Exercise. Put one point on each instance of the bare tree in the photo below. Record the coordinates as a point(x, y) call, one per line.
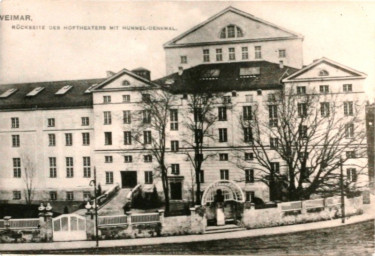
point(309, 136)
point(28, 176)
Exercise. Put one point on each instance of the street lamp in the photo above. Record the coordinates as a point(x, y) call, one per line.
point(95, 207)
point(45, 210)
point(90, 209)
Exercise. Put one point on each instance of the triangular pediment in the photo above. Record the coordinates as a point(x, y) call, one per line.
point(325, 69)
point(123, 80)
point(252, 28)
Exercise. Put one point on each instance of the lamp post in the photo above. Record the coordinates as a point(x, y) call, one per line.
point(95, 207)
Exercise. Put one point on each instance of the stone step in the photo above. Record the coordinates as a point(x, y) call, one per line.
point(224, 230)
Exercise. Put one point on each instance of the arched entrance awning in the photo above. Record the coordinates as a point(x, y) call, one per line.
point(231, 192)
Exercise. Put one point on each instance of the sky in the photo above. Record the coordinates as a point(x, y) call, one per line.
point(342, 31)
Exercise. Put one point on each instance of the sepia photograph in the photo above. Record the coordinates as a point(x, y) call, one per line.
point(187, 127)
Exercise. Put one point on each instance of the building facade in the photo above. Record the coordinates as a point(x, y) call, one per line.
point(60, 131)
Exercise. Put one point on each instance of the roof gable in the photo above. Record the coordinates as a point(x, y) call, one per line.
point(252, 27)
point(325, 69)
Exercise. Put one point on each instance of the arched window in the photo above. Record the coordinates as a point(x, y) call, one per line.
point(125, 83)
point(323, 73)
point(231, 31)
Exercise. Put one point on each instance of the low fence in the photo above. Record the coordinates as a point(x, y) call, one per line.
point(145, 218)
point(112, 220)
point(19, 224)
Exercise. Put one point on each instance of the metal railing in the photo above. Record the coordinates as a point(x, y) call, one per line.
point(23, 223)
point(2, 224)
point(291, 206)
point(145, 218)
point(112, 220)
point(314, 204)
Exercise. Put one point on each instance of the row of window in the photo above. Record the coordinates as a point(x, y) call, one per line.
point(126, 98)
point(325, 109)
point(15, 122)
point(325, 89)
point(69, 165)
point(53, 195)
point(16, 141)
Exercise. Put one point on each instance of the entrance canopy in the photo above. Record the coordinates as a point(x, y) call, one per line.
point(231, 192)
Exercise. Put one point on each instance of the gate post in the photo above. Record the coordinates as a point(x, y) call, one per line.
point(48, 226)
point(90, 227)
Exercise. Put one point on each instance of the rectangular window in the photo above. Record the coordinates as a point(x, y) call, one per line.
point(224, 174)
point(347, 88)
point(107, 117)
point(245, 53)
point(258, 52)
point(175, 169)
point(52, 167)
point(249, 176)
point(249, 156)
point(51, 122)
point(68, 139)
point(148, 177)
point(275, 167)
point(69, 167)
point(349, 130)
point(146, 116)
point(206, 55)
point(86, 167)
point(324, 89)
point(302, 109)
point(147, 158)
point(219, 54)
point(222, 113)
point(223, 157)
point(69, 196)
point(201, 176)
point(147, 137)
point(51, 140)
point(231, 32)
point(53, 195)
point(351, 174)
point(106, 99)
point(174, 119)
point(274, 143)
point(272, 113)
point(302, 130)
point(126, 117)
point(107, 138)
point(15, 141)
point(85, 138)
point(109, 177)
point(232, 53)
point(17, 195)
point(248, 134)
point(127, 138)
point(125, 98)
point(250, 196)
point(146, 97)
point(282, 53)
point(249, 98)
point(227, 99)
point(348, 108)
point(85, 121)
point(183, 59)
point(350, 154)
point(223, 137)
point(301, 90)
point(15, 122)
point(17, 167)
point(324, 109)
point(175, 145)
point(108, 159)
point(247, 113)
point(128, 159)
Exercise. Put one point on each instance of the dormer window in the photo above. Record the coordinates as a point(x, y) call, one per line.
point(210, 74)
point(231, 31)
point(125, 83)
point(323, 73)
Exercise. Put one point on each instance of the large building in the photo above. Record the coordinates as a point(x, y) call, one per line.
point(62, 130)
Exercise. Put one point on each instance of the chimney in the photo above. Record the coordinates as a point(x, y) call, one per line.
point(180, 71)
point(143, 73)
point(281, 64)
point(110, 73)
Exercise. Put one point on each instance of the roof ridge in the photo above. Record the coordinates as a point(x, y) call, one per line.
point(56, 81)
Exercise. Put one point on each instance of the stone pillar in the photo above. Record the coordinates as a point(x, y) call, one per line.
point(303, 207)
point(129, 221)
point(161, 217)
point(197, 222)
point(7, 221)
point(48, 226)
point(90, 226)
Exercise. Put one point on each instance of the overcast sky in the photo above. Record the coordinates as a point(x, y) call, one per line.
point(341, 31)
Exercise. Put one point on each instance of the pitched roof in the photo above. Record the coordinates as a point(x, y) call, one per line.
point(225, 77)
point(47, 98)
point(172, 42)
point(354, 73)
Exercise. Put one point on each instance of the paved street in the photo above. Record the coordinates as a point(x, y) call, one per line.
point(354, 239)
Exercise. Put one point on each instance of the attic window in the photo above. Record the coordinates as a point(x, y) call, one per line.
point(7, 93)
point(323, 73)
point(35, 91)
point(231, 31)
point(249, 72)
point(210, 74)
point(125, 83)
point(64, 90)
point(88, 90)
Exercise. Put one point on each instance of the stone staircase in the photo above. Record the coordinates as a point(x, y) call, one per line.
point(223, 229)
point(116, 204)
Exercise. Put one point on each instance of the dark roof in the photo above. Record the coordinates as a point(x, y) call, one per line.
point(46, 99)
point(229, 77)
